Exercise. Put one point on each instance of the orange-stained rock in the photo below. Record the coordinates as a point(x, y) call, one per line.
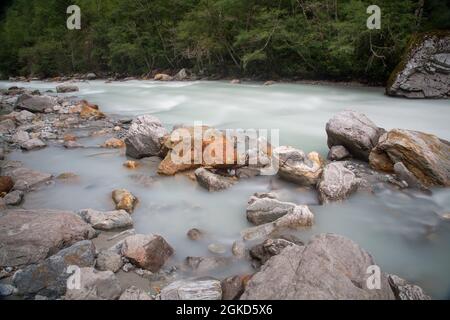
point(424, 155)
point(124, 200)
point(114, 143)
point(205, 147)
point(149, 252)
point(6, 184)
point(69, 137)
point(131, 164)
point(90, 111)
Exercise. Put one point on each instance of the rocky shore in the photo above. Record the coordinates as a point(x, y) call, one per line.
point(39, 247)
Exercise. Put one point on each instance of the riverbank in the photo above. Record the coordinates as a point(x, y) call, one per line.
point(171, 206)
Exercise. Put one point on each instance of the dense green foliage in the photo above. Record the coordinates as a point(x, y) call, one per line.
point(313, 39)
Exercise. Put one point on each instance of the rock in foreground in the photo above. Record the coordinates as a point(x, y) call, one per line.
point(329, 267)
point(148, 252)
point(29, 236)
point(95, 285)
point(49, 277)
point(193, 290)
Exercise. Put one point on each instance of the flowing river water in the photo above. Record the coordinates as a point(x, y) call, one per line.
point(405, 231)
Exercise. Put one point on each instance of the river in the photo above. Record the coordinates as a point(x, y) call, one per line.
point(404, 231)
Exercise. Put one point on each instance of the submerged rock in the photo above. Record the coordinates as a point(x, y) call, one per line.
point(149, 252)
point(337, 183)
point(49, 277)
point(107, 220)
point(124, 200)
point(424, 155)
point(131, 164)
point(425, 68)
point(113, 143)
point(211, 181)
point(192, 290)
point(72, 145)
point(195, 234)
point(145, 137)
point(353, 130)
point(30, 236)
point(95, 285)
point(329, 267)
point(297, 167)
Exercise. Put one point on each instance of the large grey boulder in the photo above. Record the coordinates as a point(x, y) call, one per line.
point(424, 71)
point(329, 267)
point(149, 252)
point(49, 277)
point(354, 131)
point(107, 220)
point(30, 236)
point(145, 138)
point(297, 167)
point(35, 104)
point(211, 181)
point(192, 290)
point(424, 155)
point(337, 183)
point(95, 285)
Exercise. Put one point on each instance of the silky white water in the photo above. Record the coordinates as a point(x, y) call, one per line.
point(404, 231)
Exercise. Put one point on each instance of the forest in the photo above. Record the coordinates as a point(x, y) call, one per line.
point(259, 39)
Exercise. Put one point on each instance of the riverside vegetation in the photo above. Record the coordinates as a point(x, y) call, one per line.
point(308, 39)
point(123, 248)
